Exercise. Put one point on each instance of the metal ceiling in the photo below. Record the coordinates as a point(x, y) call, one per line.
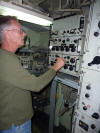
point(54, 8)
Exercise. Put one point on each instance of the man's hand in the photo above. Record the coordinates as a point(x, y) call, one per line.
point(60, 63)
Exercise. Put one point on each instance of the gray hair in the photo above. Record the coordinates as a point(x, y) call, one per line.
point(5, 22)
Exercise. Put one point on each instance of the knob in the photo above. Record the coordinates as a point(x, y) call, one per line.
point(52, 63)
point(76, 41)
point(84, 108)
point(65, 66)
point(57, 48)
point(67, 48)
point(68, 57)
point(87, 95)
point(88, 87)
point(67, 39)
point(99, 131)
point(95, 115)
point(53, 48)
point(93, 126)
point(72, 60)
point(63, 41)
point(96, 34)
point(62, 48)
point(71, 68)
point(59, 40)
point(99, 24)
point(73, 49)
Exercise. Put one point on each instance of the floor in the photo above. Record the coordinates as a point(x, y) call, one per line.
point(40, 124)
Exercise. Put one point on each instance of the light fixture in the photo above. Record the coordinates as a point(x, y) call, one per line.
point(21, 13)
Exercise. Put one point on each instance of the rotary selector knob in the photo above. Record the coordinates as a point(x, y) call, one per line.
point(53, 48)
point(63, 41)
point(95, 115)
point(73, 49)
point(88, 87)
point(57, 48)
point(65, 66)
point(96, 34)
point(72, 60)
point(84, 108)
point(99, 24)
point(93, 126)
point(52, 63)
point(87, 95)
point(71, 68)
point(62, 48)
point(67, 48)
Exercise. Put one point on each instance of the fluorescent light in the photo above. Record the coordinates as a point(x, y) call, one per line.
point(24, 14)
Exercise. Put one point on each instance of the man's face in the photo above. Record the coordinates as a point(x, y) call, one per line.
point(15, 35)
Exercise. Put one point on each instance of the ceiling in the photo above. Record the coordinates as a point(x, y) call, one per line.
point(54, 8)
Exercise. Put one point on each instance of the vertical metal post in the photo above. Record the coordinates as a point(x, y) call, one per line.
point(52, 105)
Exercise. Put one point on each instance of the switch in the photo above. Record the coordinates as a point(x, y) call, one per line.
point(87, 95)
point(96, 61)
point(93, 126)
point(95, 115)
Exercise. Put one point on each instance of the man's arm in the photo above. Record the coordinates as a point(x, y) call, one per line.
point(21, 78)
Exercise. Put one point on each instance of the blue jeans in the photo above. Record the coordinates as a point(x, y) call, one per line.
point(24, 128)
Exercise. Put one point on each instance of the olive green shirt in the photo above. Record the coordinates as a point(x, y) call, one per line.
point(15, 86)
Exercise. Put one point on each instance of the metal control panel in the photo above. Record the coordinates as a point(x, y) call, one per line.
point(67, 42)
point(83, 124)
point(87, 113)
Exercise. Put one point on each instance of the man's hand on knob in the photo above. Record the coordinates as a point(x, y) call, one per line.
point(59, 63)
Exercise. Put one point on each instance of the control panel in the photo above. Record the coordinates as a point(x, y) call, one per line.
point(89, 102)
point(67, 42)
point(87, 112)
point(84, 124)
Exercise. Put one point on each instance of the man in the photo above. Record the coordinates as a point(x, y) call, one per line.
point(15, 82)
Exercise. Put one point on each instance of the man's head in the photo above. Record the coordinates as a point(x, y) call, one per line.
point(11, 34)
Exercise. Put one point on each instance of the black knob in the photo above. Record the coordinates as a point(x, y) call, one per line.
point(52, 63)
point(99, 131)
point(62, 48)
point(57, 48)
point(59, 40)
point(84, 108)
point(96, 34)
point(67, 48)
point(99, 24)
point(88, 87)
point(76, 41)
point(63, 41)
point(68, 57)
point(72, 60)
point(73, 49)
point(87, 95)
point(65, 66)
point(67, 39)
point(95, 115)
point(93, 126)
point(71, 68)
point(53, 48)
